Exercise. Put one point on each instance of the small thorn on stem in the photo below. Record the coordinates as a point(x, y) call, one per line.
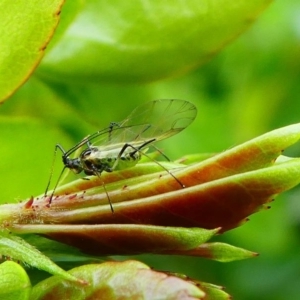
point(72, 196)
point(29, 203)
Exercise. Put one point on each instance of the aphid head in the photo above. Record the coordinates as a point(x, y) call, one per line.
point(72, 163)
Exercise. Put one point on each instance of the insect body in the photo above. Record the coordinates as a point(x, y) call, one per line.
point(122, 144)
point(93, 160)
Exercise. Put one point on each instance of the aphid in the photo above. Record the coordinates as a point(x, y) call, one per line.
point(121, 144)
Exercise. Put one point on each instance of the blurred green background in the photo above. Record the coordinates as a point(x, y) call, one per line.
point(252, 86)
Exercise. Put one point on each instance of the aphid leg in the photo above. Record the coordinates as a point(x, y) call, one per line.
point(106, 192)
point(131, 154)
point(57, 146)
point(51, 171)
point(161, 153)
point(147, 126)
point(97, 173)
point(52, 194)
point(139, 149)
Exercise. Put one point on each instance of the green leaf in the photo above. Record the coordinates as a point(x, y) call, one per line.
point(14, 283)
point(121, 239)
point(59, 252)
point(220, 192)
point(17, 248)
point(118, 280)
point(217, 251)
point(239, 180)
point(25, 30)
point(214, 292)
point(152, 40)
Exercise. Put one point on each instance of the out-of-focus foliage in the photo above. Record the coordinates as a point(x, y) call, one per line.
point(251, 87)
point(16, 285)
point(22, 45)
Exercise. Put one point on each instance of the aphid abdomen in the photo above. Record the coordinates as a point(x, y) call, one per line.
point(127, 161)
point(104, 164)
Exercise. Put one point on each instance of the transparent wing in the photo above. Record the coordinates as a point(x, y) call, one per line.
point(162, 118)
point(103, 134)
point(155, 120)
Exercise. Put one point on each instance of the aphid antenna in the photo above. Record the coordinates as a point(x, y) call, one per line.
point(87, 140)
